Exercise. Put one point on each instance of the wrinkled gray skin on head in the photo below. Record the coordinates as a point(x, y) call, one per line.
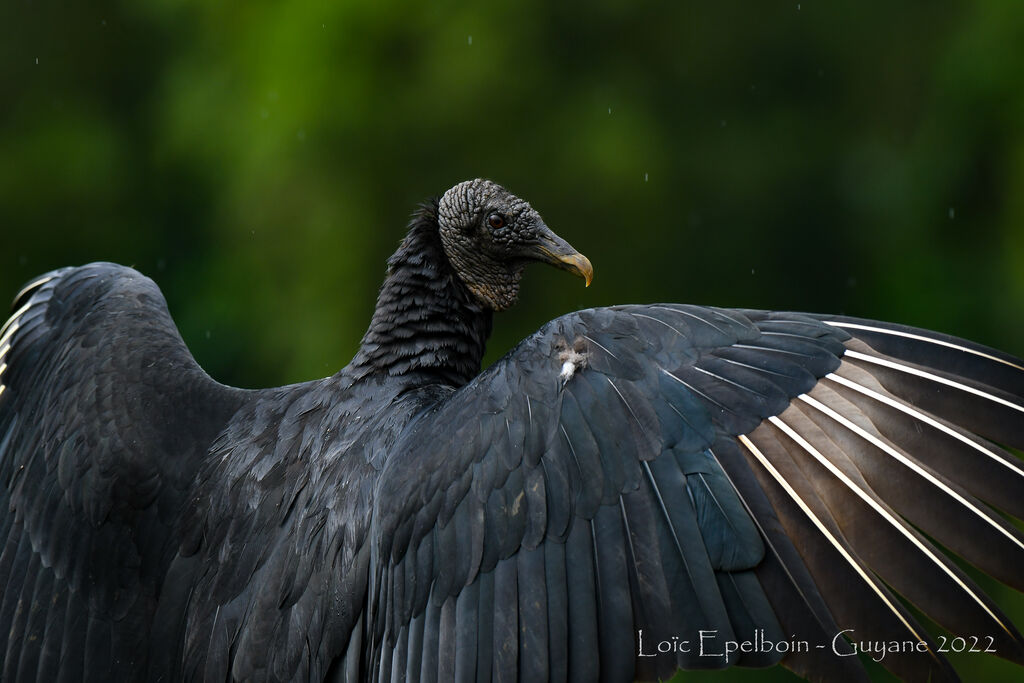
point(488, 261)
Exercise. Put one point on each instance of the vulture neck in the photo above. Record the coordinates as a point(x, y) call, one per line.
point(427, 327)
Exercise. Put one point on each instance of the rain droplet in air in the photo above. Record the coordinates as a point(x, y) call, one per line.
point(952, 213)
point(470, 40)
point(609, 111)
point(645, 177)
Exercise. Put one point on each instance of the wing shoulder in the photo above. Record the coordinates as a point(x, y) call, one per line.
point(97, 377)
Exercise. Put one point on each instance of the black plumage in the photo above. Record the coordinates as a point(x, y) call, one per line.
point(630, 490)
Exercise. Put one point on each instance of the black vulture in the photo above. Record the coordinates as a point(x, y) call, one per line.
point(629, 491)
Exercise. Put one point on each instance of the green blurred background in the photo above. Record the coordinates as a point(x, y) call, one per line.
point(260, 160)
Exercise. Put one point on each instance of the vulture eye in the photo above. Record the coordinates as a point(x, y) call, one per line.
point(496, 220)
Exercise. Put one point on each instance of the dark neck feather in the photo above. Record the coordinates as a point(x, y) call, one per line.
point(426, 325)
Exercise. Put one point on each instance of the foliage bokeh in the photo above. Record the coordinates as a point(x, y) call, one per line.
point(260, 160)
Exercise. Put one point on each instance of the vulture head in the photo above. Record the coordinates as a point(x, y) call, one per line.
point(489, 235)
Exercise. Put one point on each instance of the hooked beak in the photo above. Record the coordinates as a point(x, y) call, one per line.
point(552, 249)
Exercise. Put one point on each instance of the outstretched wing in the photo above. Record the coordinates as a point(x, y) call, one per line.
point(104, 417)
point(642, 488)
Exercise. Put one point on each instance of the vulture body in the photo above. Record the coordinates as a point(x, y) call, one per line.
point(629, 491)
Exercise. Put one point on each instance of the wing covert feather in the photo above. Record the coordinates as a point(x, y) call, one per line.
point(600, 424)
point(104, 417)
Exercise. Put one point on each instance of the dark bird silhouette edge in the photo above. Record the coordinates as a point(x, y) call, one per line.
point(630, 491)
